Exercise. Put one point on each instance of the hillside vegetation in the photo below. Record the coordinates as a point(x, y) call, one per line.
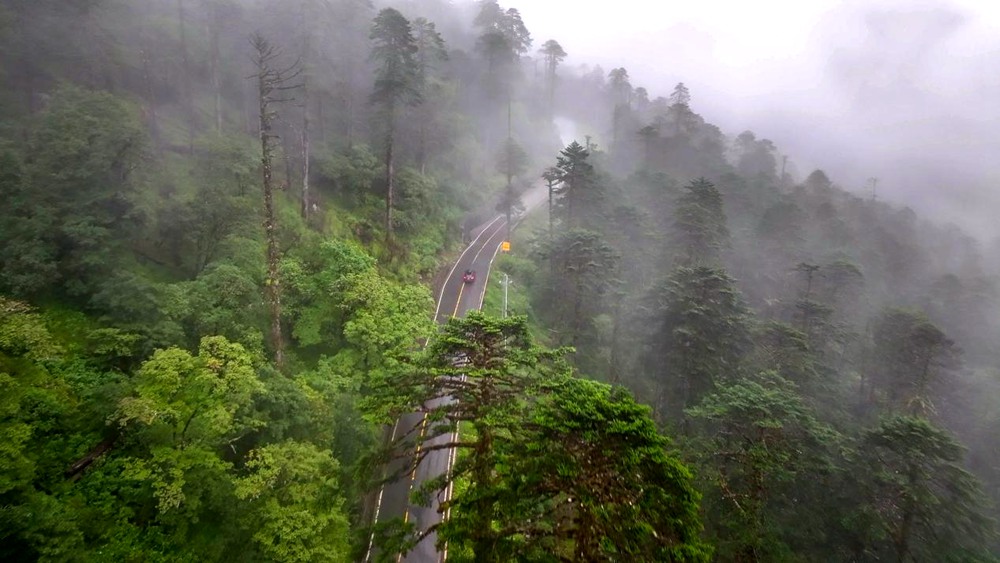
point(223, 224)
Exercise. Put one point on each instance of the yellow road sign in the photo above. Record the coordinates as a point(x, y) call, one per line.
point(505, 246)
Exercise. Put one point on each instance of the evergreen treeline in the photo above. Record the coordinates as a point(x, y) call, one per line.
point(825, 361)
point(221, 221)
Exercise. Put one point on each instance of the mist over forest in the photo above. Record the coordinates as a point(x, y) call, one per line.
point(888, 89)
point(426, 280)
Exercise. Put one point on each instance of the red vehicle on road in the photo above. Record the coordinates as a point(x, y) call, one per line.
point(469, 276)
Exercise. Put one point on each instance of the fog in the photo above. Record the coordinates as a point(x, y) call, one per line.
point(231, 230)
point(901, 91)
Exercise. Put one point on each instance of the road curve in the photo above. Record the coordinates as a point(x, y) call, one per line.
point(455, 300)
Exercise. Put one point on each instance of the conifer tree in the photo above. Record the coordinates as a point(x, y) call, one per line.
point(699, 231)
point(554, 54)
point(396, 84)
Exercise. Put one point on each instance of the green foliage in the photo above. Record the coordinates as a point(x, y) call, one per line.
point(137, 304)
point(183, 400)
point(352, 173)
point(223, 300)
point(549, 467)
point(417, 202)
point(554, 54)
point(511, 159)
point(294, 506)
point(16, 468)
point(503, 40)
point(589, 478)
point(911, 354)
point(782, 227)
point(479, 371)
point(582, 272)
point(431, 49)
point(785, 350)
point(40, 431)
point(497, 355)
point(383, 322)
point(143, 258)
point(763, 449)
point(197, 228)
point(341, 304)
point(23, 333)
point(28, 390)
point(394, 51)
point(72, 212)
point(699, 228)
point(523, 275)
point(756, 157)
point(581, 195)
point(919, 502)
point(699, 336)
point(312, 282)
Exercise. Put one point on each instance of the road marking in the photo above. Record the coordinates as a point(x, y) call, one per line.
point(495, 233)
point(455, 265)
point(482, 296)
point(452, 456)
point(416, 463)
point(453, 452)
point(378, 503)
point(461, 289)
point(437, 311)
point(459, 300)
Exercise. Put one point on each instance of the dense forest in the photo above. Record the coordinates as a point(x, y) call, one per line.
point(224, 226)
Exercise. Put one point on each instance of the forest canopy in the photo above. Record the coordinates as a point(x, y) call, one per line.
point(226, 233)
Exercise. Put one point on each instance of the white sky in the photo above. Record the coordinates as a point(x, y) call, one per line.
point(747, 48)
point(906, 90)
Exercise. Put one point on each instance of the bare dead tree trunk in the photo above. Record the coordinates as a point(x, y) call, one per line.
point(26, 72)
point(273, 283)
point(305, 117)
point(422, 146)
point(550, 72)
point(74, 471)
point(510, 166)
point(349, 99)
point(213, 34)
point(390, 173)
point(286, 157)
point(305, 148)
point(350, 103)
point(616, 360)
point(249, 125)
point(269, 82)
point(186, 70)
point(147, 76)
point(551, 186)
point(321, 119)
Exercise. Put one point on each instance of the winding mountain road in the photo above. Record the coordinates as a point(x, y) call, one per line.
point(455, 300)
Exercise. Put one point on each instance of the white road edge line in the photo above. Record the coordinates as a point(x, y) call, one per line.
point(437, 311)
point(455, 265)
point(378, 503)
point(423, 424)
point(482, 296)
point(454, 452)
